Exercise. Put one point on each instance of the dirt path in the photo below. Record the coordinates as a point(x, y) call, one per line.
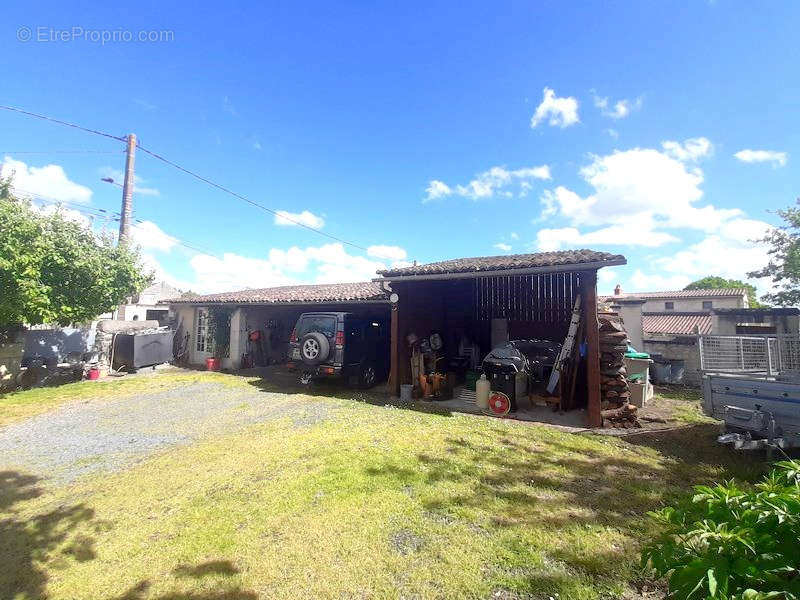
point(108, 435)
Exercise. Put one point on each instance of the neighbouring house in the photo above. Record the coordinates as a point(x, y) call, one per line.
point(145, 305)
point(667, 324)
point(470, 302)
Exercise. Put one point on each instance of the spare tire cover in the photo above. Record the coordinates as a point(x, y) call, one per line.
point(314, 348)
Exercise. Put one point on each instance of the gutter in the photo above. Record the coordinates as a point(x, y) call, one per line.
point(594, 266)
point(272, 304)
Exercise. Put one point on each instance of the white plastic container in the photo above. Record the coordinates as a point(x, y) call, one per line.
point(482, 392)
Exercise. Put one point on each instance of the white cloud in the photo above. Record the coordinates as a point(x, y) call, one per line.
point(692, 149)
point(329, 263)
point(437, 189)
point(729, 252)
point(335, 265)
point(49, 181)
point(631, 230)
point(66, 213)
point(607, 275)
point(514, 235)
point(778, 159)
point(542, 172)
point(654, 282)
point(306, 218)
point(395, 253)
point(559, 112)
point(612, 133)
point(503, 247)
point(495, 180)
point(150, 236)
point(234, 272)
point(640, 181)
point(620, 109)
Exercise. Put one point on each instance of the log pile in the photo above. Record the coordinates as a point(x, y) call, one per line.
point(616, 411)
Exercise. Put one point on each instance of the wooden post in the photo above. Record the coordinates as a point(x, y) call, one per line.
point(127, 192)
point(394, 361)
point(589, 293)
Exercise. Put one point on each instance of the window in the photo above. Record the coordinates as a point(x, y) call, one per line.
point(669, 306)
point(707, 305)
point(203, 341)
point(321, 323)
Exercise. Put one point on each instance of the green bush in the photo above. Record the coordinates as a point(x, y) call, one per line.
point(731, 543)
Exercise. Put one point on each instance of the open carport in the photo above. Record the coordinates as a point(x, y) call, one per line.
point(261, 320)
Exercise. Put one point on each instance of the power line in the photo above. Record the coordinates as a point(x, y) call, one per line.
point(109, 215)
point(61, 151)
point(218, 186)
point(60, 122)
point(245, 199)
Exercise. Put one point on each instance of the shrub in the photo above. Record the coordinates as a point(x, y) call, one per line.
point(731, 543)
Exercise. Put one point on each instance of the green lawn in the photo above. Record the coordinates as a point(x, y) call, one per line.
point(376, 502)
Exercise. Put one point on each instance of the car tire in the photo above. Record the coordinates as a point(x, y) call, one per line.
point(367, 376)
point(314, 348)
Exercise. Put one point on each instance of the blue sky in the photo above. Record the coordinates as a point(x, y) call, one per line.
point(413, 130)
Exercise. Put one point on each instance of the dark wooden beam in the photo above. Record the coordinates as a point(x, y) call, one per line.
point(589, 293)
point(394, 361)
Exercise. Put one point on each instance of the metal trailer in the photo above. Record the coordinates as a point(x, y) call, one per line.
point(752, 384)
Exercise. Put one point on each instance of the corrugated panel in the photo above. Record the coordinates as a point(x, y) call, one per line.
point(677, 323)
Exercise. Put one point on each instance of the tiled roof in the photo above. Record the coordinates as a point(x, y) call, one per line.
point(677, 323)
point(507, 262)
point(712, 293)
point(327, 292)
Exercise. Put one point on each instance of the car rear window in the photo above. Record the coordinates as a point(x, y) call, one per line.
point(321, 323)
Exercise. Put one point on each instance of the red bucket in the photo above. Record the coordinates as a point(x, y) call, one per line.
point(93, 374)
point(212, 364)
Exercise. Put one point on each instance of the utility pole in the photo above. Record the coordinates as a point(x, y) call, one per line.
point(127, 192)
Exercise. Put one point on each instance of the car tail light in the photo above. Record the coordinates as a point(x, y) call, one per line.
point(340, 338)
point(293, 337)
point(328, 370)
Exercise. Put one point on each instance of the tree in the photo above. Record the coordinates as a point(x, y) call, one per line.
point(53, 270)
point(714, 282)
point(784, 262)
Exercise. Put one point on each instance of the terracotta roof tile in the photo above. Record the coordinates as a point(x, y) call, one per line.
point(327, 292)
point(506, 262)
point(708, 293)
point(677, 323)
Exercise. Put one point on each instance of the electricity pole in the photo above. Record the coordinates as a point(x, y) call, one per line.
point(127, 192)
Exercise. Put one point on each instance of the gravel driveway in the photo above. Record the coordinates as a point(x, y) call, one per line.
point(108, 435)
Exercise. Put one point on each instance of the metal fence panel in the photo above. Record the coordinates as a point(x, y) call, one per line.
point(758, 355)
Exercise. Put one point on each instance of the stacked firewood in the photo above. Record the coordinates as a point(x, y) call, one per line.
point(616, 410)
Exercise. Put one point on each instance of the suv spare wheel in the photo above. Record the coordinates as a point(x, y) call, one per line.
point(314, 348)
